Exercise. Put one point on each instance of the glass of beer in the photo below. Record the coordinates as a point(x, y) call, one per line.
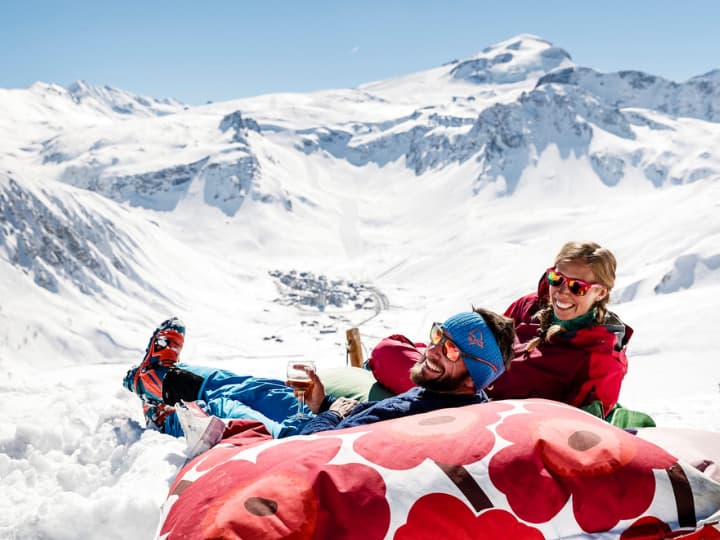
point(298, 378)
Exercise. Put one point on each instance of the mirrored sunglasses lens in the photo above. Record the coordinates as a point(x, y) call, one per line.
point(554, 278)
point(577, 287)
point(435, 334)
point(451, 351)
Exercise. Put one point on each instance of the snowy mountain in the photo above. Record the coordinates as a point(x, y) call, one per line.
point(696, 98)
point(501, 110)
point(60, 240)
point(108, 100)
point(272, 224)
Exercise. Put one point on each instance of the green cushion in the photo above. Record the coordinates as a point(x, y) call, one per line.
point(353, 382)
point(627, 418)
point(621, 417)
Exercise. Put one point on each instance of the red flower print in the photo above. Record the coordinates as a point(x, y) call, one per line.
point(221, 454)
point(650, 528)
point(646, 528)
point(456, 436)
point(442, 516)
point(239, 435)
point(559, 452)
point(278, 496)
point(199, 465)
point(706, 532)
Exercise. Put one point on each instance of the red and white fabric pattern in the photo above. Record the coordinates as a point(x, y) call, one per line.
point(521, 469)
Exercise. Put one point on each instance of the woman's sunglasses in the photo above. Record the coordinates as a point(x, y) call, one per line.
point(576, 286)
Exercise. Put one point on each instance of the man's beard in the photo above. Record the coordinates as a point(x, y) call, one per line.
point(444, 383)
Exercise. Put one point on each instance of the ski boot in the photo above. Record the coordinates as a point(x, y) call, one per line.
point(161, 354)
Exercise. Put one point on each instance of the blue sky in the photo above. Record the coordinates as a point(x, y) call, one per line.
point(216, 50)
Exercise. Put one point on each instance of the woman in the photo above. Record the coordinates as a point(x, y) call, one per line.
point(570, 349)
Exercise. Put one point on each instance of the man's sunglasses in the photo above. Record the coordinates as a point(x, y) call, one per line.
point(576, 286)
point(451, 351)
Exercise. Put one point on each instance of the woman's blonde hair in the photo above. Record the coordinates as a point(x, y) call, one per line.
point(603, 265)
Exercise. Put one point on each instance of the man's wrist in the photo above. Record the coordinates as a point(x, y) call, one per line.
point(325, 404)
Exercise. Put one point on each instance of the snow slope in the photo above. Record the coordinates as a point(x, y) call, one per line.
point(414, 198)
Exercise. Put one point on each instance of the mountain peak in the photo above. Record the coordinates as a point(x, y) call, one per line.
point(518, 42)
point(79, 87)
point(512, 60)
point(120, 101)
point(713, 76)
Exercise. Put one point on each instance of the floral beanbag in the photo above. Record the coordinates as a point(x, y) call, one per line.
point(520, 469)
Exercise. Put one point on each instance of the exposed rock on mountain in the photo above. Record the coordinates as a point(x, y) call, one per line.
point(699, 97)
point(52, 241)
